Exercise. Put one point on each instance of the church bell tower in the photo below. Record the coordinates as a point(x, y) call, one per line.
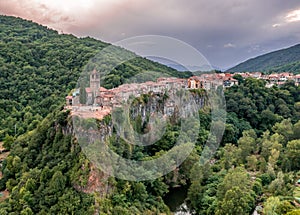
point(94, 83)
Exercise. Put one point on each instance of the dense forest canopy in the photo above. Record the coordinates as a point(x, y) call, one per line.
point(285, 60)
point(46, 171)
point(39, 67)
point(257, 163)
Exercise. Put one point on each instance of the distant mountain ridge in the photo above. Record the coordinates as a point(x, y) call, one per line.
point(182, 68)
point(284, 60)
point(39, 67)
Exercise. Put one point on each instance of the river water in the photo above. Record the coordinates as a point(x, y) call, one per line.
point(175, 199)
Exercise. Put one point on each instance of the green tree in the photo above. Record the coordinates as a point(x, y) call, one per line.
point(8, 141)
point(252, 162)
point(296, 130)
point(57, 182)
point(235, 194)
point(277, 186)
point(228, 156)
point(285, 207)
point(271, 205)
point(284, 128)
point(247, 144)
point(294, 212)
point(82, 95)
point(235, 202)
point(292, 153)
point(27, 211)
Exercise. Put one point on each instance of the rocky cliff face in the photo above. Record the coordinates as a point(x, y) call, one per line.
point(173, 104)
point(141, 114)
point(141, 119)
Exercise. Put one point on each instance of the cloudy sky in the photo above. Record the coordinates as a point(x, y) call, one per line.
point(226, 32)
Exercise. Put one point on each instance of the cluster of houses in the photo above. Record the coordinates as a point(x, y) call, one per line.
point(211, 81)
point(273, 79)
point(100, 96)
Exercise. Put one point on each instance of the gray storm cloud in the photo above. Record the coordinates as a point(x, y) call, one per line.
point(225, 32)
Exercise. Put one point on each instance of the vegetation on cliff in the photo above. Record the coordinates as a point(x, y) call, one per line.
point(258, 160)
point(39, 67)
point(47, 172)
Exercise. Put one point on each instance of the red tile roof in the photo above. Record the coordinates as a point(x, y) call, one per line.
point(102, 89)
point(108, 96)
point(88, 90)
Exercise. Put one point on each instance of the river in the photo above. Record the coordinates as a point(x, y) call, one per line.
point(175, 200)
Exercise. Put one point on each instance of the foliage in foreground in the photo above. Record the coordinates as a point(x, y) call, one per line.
point(254, 165)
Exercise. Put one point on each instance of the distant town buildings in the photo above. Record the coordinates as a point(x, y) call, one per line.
point(211, 81)
point(101, 98)
point(272, 79)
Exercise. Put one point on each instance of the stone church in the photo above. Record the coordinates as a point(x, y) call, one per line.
point(92, 92)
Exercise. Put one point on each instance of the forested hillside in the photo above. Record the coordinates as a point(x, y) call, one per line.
point(46, 171)
point(256, 164)
point(39, 67)
point(285, 60)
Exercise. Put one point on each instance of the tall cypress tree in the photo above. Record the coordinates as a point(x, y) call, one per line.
point(82, 96)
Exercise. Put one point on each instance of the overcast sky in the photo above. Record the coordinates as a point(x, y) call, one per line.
point(226, 32)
